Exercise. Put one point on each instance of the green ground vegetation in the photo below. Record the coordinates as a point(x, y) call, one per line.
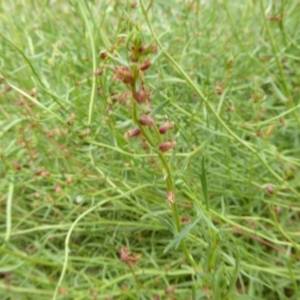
point(210, 209)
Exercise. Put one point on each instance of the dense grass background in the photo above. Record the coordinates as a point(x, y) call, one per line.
point(74, 191)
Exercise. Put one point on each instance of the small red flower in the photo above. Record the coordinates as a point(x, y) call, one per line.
point(165, 146)
point(185, 220)
point(132, 133)
point(126, 257)
point(142, 95)
point(145, 65)
point(146, 120)
point(124, 74)
point(98, 72)
point(165, 127)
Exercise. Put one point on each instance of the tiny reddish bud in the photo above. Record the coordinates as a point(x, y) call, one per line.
point(277, 209)
point(58, 189)
point(33, 92)
point(132, 133)
point(170, 289)
point(269, 188)
point(142, 95)
point(145, 65)
point(99, 91)
point(133, 4)
point(124, 74)
point(45, 174)
point(103, 55)
point(146, 120)
point(154, 48)
point(69, 180)
point(142, 48)
point(126, 257)
point(185, 220)
point(165, 146)
point(71, 119)
point(16, 166)
point(144, 144)
point(170, 197)
point(165, 127)
point(98, 72)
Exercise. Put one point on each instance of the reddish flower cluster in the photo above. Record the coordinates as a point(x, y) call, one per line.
point(165, 146)
point(165, 127)
point(142, 95)
point(126, 257)
point(146, 120)
point(132, 133)
point(124, 74)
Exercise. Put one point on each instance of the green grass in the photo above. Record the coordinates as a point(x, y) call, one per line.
point(74, 191)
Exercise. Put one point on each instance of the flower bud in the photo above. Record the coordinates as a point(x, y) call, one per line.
point(269, 188)
point(185, 220)
point(146, 120)
point(165, 127)
point(154, 48)
point(145, 65)
point(142, 48)
point(132, 133)
point(33, 92)
point(124, 74)
point(98, 72)
point(165, 146)
point(142, 95)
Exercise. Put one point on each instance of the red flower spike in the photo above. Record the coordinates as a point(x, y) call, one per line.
point(132, 133)
point(146, 120)
point(142, 95)
point(165, 127)
point(165, 146)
